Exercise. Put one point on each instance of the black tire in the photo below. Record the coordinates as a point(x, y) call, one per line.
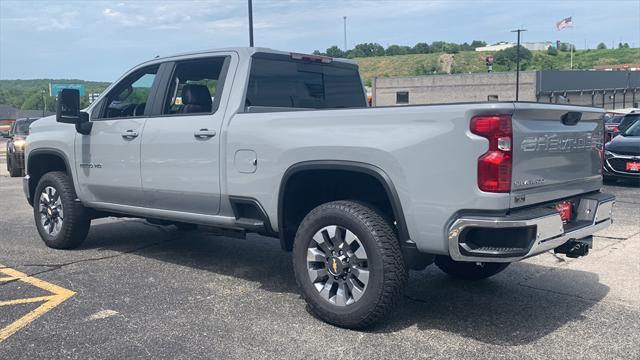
point(14, 171)
point(387, 271)
point(76, 222)
point(468, 270)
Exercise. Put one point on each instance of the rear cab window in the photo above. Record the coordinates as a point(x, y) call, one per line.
point(309, 82)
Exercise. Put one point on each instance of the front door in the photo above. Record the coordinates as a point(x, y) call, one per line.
point(180, 156)
point(108, 159)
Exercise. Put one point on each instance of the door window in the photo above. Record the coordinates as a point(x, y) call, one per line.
point(129, 98)
point(195, 87)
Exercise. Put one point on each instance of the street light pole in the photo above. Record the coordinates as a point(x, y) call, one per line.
point(518, 61)
point(250, 23)
point(345, 32)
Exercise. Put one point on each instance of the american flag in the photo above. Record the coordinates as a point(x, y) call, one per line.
point(564, 23)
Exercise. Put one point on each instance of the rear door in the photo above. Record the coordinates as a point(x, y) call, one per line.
point(180, 154)
point(557, 152)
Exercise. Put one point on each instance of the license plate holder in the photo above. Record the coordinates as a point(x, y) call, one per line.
point(633, 166)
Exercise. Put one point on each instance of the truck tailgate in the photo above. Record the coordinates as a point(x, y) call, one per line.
point(557, 152)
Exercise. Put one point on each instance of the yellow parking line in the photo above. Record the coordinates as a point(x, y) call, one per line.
point(60, 294)
point(10, 278)
point(26, 300)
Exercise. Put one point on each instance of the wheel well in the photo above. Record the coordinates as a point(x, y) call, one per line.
point(304, 190)
point(40, 164)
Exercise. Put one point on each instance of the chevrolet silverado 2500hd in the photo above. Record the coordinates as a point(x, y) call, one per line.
point(283, 144)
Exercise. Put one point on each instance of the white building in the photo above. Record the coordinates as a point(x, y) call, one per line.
point(496, 47)
point(532, 46)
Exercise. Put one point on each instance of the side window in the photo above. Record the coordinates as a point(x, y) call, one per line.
point(129, 97)
point(195, 87)
point(277, 81)
point(402, 97)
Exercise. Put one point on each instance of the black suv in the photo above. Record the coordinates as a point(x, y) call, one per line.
point(15, 146)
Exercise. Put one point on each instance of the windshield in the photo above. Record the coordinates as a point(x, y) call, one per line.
point(634, 130)
point(628, 121)
point(614, 119)
point(22, 127)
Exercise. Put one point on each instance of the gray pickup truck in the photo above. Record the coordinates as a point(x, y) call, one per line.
point(282, 144)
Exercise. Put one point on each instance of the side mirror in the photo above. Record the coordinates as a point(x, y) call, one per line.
point(68, 107)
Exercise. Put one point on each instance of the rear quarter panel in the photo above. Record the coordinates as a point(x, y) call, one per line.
point(427, 151)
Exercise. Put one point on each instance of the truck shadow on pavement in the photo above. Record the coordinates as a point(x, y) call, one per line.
point(519, 306)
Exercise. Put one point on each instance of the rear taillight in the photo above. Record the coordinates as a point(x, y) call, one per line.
point(494, 166)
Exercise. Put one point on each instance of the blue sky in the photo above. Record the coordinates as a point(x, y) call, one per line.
point(99, 40)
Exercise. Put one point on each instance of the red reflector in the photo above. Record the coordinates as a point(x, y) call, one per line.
point(494, 166)
point(564, 208)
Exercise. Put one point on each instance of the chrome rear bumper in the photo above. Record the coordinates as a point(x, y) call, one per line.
point(593, 213)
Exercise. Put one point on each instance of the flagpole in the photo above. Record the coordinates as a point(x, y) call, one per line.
point(571, 45)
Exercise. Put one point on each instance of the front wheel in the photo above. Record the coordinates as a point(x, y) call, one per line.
point(14, 170)
point(469, 270)
point(61, 221)
point(348, 264)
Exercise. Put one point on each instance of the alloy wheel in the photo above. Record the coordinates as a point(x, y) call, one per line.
point(337, 265)
point(51, 211)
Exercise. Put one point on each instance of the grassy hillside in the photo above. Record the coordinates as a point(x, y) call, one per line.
point(27, 94)
point(471, 61)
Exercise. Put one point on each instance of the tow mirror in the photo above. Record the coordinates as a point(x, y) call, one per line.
point(68, 109)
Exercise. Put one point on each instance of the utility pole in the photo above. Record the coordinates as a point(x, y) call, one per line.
point(44, 102)
point(250, 23)
point(518, 61)
point(344, 18)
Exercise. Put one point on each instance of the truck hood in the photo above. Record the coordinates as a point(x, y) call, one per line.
point(624, 145)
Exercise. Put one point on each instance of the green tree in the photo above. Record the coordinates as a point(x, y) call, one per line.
point(477, 43)
point(601, 46)
point(335, 51)
point(451, 48)
point(368, 50)
point(437, 46)
point(552, 51)
point(421, 48)
point(396, 50)
point(508, 57)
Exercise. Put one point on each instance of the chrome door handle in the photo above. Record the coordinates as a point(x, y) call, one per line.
point(129, 134)
point(204, 134)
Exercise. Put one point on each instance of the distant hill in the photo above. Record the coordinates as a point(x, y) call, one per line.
point(471, 61)
point(27, 94)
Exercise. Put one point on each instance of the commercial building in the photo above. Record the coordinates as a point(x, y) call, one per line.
point(606, 89)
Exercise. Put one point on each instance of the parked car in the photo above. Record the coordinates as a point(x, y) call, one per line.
point(622, 155)
point(611, 126)
point(283, 144)
point(16, 144)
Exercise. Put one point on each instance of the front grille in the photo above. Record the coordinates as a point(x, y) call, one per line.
point(619, 164)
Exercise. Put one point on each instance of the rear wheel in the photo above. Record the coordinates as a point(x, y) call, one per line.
point(469, 270)
point(348, 264)
point(62, 222)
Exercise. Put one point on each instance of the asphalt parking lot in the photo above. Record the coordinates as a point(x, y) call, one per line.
point(135, 290)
